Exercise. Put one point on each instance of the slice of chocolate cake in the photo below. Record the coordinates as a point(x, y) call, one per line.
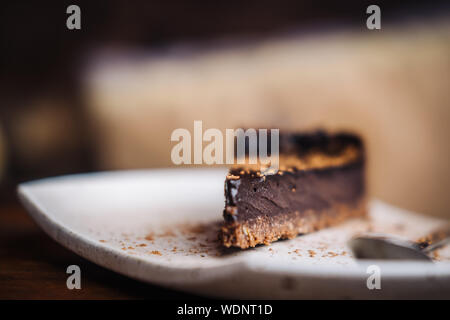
point(320, 183)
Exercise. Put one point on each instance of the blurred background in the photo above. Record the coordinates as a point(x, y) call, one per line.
point(108, 96)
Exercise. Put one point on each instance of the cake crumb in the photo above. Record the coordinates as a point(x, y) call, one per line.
point(312, 253)
point(436, 255)
point(330, 254)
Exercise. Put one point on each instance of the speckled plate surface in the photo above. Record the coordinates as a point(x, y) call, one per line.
point(160, 226)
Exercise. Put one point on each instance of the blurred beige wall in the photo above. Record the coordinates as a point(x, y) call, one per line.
point(391, 86)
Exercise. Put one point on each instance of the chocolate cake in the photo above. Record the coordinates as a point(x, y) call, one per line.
point(320, 183)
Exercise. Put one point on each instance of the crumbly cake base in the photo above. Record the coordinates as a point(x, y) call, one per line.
point(266, 229)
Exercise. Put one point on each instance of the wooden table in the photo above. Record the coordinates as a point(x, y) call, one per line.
point(33, 266)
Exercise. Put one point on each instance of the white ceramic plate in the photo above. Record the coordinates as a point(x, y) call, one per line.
point(160, 226)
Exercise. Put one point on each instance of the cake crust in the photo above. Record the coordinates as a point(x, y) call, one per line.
point(264, 229)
